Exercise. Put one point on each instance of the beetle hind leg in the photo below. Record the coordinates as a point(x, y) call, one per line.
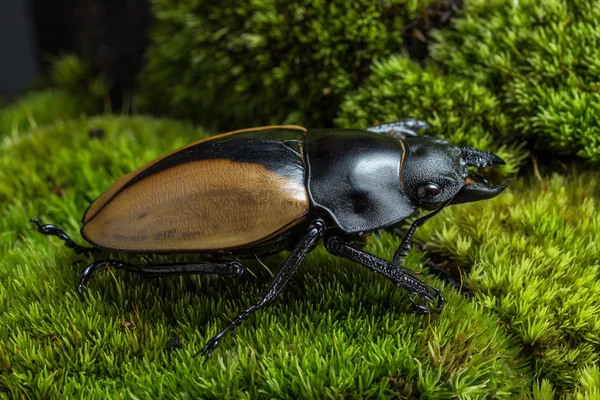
point(224, 268)
point(51, 230)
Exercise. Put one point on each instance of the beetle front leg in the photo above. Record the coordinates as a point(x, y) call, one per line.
point(405, 246)
point(400, 276)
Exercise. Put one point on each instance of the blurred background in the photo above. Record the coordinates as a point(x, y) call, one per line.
point(505, 76)
point(276, 46)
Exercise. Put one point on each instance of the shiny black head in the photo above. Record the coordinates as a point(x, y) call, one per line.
point(434, 171)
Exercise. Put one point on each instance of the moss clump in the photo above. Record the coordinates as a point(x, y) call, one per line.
point(75, 75)
point(542, 59)
point(531, 256)
point(37, 109)
point(337, 331)
point(268, 61)
point(463, 112)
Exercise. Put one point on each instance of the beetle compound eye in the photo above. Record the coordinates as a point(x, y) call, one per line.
point(428, 191)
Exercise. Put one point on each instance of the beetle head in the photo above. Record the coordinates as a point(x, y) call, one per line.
point(434, 171)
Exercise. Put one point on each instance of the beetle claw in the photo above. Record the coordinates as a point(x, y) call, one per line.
point(81, 287)
point(431, 295)
point(208, 348)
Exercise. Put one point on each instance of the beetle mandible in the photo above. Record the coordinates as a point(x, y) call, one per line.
point(259, 191)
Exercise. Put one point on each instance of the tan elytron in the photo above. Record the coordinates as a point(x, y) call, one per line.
point(106, 196)
point(202, 205)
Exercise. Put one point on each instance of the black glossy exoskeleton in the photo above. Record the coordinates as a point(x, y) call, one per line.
point(263, 190)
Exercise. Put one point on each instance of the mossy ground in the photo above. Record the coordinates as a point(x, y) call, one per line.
point(532, 258)
point(531, 66)
point(529, 257)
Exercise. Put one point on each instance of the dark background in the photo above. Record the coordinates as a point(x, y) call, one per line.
point(111, 34)
point(18, 58)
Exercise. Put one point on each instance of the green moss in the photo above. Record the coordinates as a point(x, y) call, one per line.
point(542, 60)
point(337, 331)
point(530, 257)
point(461, 111)
point(266, 61)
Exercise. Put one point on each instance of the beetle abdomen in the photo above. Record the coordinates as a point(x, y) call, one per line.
point(224, 193)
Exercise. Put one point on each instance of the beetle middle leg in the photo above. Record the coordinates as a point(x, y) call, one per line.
point(224, 268)
point(306, 244)
point(400, 276)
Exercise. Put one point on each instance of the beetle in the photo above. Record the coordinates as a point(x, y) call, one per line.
point(259, 191)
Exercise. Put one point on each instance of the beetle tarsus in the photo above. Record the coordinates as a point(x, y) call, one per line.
point(82, 290)
point(401, 253)
point(397, 274)
point(304, 246)
point(213, 343)
point(52, 230)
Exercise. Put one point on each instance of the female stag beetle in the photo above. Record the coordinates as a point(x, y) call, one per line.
point(255, 192)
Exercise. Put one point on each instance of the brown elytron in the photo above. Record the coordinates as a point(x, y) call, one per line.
point(106, 196)
point(198, 205)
